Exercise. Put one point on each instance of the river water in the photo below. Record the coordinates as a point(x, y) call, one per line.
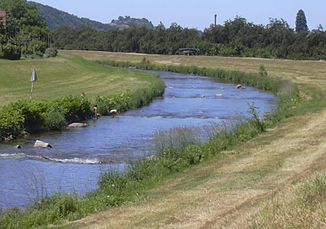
point(79, 156)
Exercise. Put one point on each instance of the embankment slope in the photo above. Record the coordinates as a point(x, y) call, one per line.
point(235, 192)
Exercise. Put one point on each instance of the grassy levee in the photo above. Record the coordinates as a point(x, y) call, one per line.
point(226, 182)
point(57, 99)
point(63, 76)
point(256, 184)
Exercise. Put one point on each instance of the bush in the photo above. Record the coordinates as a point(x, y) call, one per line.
point(33, 113)
point(50, 52)
point(54, 120)
point(11, 122)
point(73, 108)
point(262, 71)
point(11, 52)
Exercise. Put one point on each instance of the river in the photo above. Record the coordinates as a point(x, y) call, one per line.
point(81, 155)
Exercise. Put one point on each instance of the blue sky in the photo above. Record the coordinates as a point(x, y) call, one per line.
point(195, 13)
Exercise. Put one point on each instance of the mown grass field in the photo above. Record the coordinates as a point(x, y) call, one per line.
point(63, 76)
point(276, 180)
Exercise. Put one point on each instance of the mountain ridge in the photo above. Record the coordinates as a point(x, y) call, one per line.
point(56, 18)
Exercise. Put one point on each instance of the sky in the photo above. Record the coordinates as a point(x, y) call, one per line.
point(195, 13)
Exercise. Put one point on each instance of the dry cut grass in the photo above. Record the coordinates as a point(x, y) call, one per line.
point(256, 185)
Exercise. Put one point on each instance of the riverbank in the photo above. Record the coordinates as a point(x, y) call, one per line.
point(274, 180)
point(63, 76)
point(143, 177)
point(57, 99)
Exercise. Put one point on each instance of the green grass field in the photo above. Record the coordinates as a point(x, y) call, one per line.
point(66, 76)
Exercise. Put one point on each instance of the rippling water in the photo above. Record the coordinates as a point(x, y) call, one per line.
point(79, 156)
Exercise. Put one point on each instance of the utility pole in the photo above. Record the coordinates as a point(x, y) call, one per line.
point(215, 22)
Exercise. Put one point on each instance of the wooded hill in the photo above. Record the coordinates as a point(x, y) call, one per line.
point(56, 18)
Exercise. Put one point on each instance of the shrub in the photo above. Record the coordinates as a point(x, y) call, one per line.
point(11, 52)
point(50, 52)
point(11, 122)
point(262, 71)
point(33, 113)
point(54, 120)
point(73, 108)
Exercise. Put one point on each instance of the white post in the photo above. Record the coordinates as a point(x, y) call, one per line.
point(33, 79)
point(32, 90)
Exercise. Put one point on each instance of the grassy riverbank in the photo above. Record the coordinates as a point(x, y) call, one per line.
point(64, 76)
point(56, 98)
point(172, 162)
point(275, 180)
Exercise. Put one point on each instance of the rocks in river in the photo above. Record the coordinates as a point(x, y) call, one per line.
point(77, 125)
point(113, 112)
point(240, 86)
point(9, 138)
point(41, 144)
point(18, 146)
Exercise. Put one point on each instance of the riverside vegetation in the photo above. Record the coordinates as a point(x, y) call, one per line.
point(101, 83)
point(171, 159)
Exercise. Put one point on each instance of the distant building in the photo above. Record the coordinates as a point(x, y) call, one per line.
point(189, 51)
point(3, 18)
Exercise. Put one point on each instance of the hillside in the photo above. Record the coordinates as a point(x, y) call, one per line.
point(56, 18)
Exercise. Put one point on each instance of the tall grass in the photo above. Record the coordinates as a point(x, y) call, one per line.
point(177, 151)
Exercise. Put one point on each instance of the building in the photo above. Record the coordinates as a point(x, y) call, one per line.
point(3, 18)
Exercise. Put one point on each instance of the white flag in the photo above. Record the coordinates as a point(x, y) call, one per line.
point(34, 75)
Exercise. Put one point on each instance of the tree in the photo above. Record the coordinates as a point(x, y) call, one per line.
point(301, 22)
point(26, 30)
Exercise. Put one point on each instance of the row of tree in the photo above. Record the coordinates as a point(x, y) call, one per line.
point(236, 37)
point(25, 33)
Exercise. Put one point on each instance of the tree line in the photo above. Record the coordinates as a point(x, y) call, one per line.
point(25, 33)
point(236, 37)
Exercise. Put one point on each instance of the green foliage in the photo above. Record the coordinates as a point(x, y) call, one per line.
point(255, 118)
point(73, 108)
point(26, 31)
point(35, 116)
point(129, 100)
point(11, 52)
point(50, 52)
point(236, 37)
point(255, 80)
point(262, 71)
point(11, 122)
point(54, 120)
point(32, 112)
point(56, 18)
point(301, 22)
